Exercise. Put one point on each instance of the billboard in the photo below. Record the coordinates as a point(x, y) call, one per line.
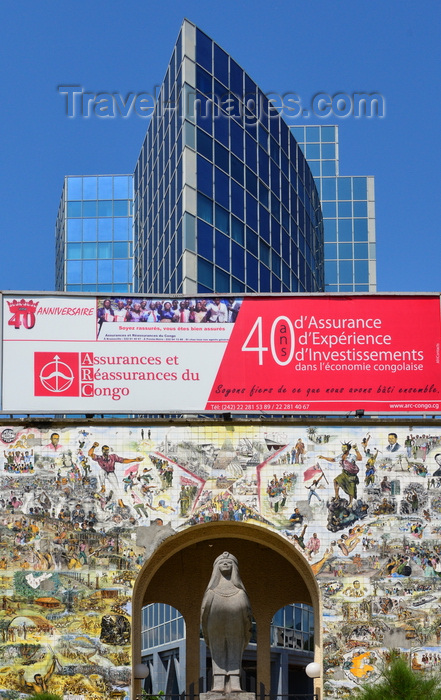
point(277, 354)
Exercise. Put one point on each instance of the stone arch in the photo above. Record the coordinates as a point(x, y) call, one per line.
point(274, 573)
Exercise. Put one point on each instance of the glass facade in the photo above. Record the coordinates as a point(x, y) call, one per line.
point(163, 647)
point(94, 235)
point(224, 198)
point(348, 207)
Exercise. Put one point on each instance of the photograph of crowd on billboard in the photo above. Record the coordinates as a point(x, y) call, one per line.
point(165, 310)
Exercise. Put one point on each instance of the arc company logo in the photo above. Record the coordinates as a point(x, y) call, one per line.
point(56, 374)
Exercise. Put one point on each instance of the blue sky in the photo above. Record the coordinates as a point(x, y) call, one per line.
point(344, 46)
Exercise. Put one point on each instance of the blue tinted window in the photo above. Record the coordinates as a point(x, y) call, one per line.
point(344, 188)
point(203, 82)
point(121, 227)
point(328, 150)
point(74, 229)
point(105, 187)
point(222, 219)
point(360, 209)
point(121, 188)
point(330, 251)
point(222, 281)
point(251, 211)
point(264, 222)
point(328, 188)
point(90, 188)
point(89, 272)
point(252, 242)
point(237, 169)
point(205, 240)
point(89, 250)
point(236, 139)
point(121, 250)
point(360, 230)
point(361, 250)
point(221, 188)
point(205, 144)
point(236, 79)
point(328, 167)
point(89, 230)
point(73, 275)
point(74, 251)
point(205, 208)
point(220, 64)
point(314, 166)
point(299, 133)
point(237, 203)
point(74, 188)
point(313, 151)
point(345, 209)
point(251, 152)
point(221, 128)
point(204, 176)
point(221, 157)
point(251, 183)
point(120, 270)
point(328, 133)
point(265, 253)
point(74, 208)
point(120, 208)
point(222, 250)
point(89, 208)
point(275, 263)
point(238, 260)
point(330, 272)
point(360, 187)
point(263, 166)
point(205, 273)
point(312, 133)
point(345, 271)
point(237, 230)
point(263, 194)
point(345, 230)
point(105, 250)
point(252, 276)
point(361, 269)
point(105, 208)
point(329, 209)
point(262, 137)
point(203, 49)
point(204, 107)
point(265, 277)
point(345, 251)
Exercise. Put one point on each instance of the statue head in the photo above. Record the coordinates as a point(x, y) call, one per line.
point(225, 564)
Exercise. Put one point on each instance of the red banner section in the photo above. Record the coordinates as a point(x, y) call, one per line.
point(332, 354)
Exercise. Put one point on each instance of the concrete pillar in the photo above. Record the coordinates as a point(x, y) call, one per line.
point(192, 648)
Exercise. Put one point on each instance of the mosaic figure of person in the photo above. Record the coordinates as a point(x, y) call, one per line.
point(226, 622)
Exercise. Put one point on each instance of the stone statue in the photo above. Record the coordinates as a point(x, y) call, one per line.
point(226, 622)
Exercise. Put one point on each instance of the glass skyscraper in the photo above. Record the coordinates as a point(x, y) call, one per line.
point(94, 235)
point(348, 207)
point(224, 198)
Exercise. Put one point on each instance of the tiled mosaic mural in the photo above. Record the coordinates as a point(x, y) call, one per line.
point(362, 504)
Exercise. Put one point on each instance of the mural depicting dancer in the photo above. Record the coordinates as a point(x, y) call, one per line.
point(348, 479)
point(107, 463)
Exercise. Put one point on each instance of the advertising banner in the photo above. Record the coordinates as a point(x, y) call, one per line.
point(307, 354)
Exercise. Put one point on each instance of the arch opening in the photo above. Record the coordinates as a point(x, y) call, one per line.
point(274, 573)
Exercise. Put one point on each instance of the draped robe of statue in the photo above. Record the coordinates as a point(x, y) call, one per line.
point(226, 622)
